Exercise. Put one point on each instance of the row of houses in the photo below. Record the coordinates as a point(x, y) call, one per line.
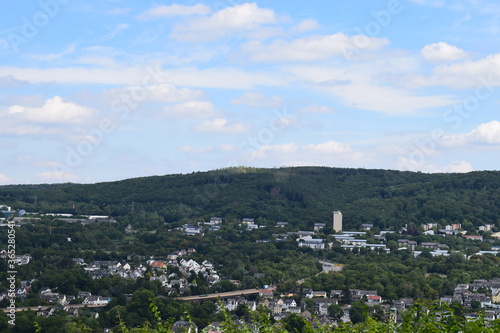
point(175, 283)
point(485, 293)
point(104, 268)
point(49, 296)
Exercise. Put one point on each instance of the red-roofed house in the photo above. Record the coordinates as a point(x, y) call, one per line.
point(158, 264)
point(479, 238)
point(374, 300)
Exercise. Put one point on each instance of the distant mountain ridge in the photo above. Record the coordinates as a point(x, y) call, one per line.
point(299, 195)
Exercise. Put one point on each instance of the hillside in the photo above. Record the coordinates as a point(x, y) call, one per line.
point(299, 195)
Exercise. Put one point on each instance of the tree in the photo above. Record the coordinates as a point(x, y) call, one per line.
point(336, 312)
point(346, 296)
point(358, 312)
point(297, 324)
point(224, 286)
point(475, 304)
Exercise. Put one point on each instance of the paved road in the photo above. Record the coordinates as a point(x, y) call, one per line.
point(36, 308)
point(186, 298)
point(220, 295)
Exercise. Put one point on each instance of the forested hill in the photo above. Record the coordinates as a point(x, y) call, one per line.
point(299, 195)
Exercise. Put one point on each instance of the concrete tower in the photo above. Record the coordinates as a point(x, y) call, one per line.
point(337, 221)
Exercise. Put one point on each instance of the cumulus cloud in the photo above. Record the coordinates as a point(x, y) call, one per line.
point(175, 10)
point(258, 99)
point(191, 109)
point(55, 110)
point(486, 133)
point(5, 179)
point(239, 18)
point(406, 164)
point(442, 51)
point(312, 48)
point(327, 153)
point(221, 125)
point(57, 177)
point(469, 73)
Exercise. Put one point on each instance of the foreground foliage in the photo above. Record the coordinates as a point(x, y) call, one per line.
point(421, 318)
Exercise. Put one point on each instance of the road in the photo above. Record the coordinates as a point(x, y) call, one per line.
point(220, 295)
point(186, 298)
point(36, 308)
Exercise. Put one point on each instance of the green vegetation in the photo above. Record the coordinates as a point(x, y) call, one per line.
point(301, 196)
point(155, 208)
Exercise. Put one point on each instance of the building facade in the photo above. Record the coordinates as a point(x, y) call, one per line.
point(337, 221)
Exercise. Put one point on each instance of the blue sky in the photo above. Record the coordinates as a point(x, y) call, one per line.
point(94, 91)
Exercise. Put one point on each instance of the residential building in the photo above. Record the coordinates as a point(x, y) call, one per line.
point(313, 243)
point(319, 226)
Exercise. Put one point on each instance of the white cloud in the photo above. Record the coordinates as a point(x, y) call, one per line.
point(312, 48)
point(329, 147)
point(191, 109)
point(442, 52)
point(285, 122)
point(258, 99)
point(213, 77)
point(486, 133)
point(21, 129)
point(318, 109)
point(57, 177)
point(168, 92)
point(5, 179)
point(190, 149)
point(55, 110)
point(327, 153)
point(360, 86)
point(10, 81)
point(266, 151)
point(175, 10)
point(221, 125)
point(406, 164)
point(239, 18)
point(162, 93)
point(469, 73)
point(306, 25)
point(459, 166)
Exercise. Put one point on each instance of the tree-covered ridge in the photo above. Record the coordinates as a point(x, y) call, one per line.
point(152, 214)
point(300, 195)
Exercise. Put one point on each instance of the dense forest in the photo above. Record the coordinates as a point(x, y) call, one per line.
point(300, 195)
